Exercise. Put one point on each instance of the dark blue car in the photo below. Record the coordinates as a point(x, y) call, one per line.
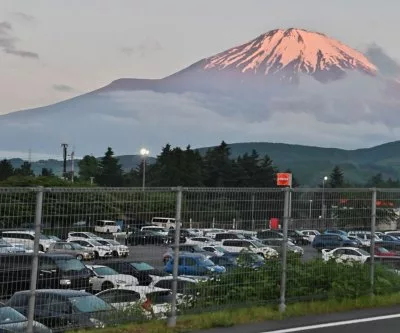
point(332, 241)
point(194, 264)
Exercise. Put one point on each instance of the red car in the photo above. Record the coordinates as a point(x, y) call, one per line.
point(381, 251)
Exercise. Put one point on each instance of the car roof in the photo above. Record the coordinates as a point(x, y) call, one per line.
point(143, 290)
point(31, 232)
point(61, 292)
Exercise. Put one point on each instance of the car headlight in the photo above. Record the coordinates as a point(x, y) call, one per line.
point(97, 323)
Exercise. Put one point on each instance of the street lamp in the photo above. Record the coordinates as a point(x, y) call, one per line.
point(310, 209)
point(144, 153)
point(323, 196)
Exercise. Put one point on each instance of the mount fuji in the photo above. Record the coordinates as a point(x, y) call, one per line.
point(287, 85)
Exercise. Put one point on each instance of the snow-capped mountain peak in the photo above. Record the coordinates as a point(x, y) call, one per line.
point(286, 53)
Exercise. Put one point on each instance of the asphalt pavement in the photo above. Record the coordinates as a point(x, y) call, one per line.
point(382, 320)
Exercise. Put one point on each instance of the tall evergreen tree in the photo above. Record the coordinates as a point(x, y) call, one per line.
point(336, 178)
point(6, 169)
point(110, 171)
point(24, 170)
point(47, 172)
point(88, 167)
point(218, 167)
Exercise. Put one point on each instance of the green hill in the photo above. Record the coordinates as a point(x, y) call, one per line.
point(308, 164)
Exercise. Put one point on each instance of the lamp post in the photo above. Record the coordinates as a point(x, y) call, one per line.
point(144, 153)
point(323, 196)
point(310, 213)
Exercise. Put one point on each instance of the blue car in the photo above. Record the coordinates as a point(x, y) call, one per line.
point(194, 264)
point(336, 232)
point(332, 241)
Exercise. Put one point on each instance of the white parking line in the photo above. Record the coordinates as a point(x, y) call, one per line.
point(334, 324)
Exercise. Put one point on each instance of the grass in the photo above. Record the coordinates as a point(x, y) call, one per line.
point(232, 317)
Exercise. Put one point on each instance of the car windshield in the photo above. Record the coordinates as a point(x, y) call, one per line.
point(89, 304)
point(8, 315)
point(90, 234)
point(382, 250)
point(95, 242)
point(142, 266)
point(257, 243)
point(290, 243)
point(104, 270)
point(113, 242)
point(55, 238)
point(76, 246)
point(206, 262)
point(364, 253)
point(70, 264)
point(43, 237)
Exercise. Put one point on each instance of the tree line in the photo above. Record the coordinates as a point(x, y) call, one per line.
point(177, 167)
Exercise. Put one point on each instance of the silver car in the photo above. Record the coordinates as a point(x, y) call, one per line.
point(74, 249)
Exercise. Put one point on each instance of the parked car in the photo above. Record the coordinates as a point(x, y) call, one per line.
point(277, 243)
point(227, 261)
point(227, 235)
point(332, 241)
point(185, 286)
point(99, 250)
point(296, 237)
point(171, 236)
point(269, 234)
point(247, 259)
point(360, 242)
point(73, 249)
point(212, 232)
point(192, 248)
point(195, 232)
point(26, 238)
point(194, 264)
point(335, 232)
point(146, 238)
point(117, 249)
point(200, 240)
point(6, 247)
point(104, 277)
point(217, 250)
point(73, 235)
point(383, 252)
point(343, 254)
point(13, 321)
point(237, 245)
point(56, 270)
point(106, 226)
point(63, 309)
point(144, 272)
point(309, 234)
point(161, 230)
point(143, 297)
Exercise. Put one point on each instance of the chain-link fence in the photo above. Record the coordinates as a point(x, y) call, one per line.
point(89, 257)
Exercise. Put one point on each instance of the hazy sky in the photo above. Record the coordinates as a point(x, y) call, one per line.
point(51, 50)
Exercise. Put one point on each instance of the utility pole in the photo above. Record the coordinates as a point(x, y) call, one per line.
point(65, 154)
point(72, 166)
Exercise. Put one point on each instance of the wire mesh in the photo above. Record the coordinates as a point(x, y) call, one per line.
point(110, 251)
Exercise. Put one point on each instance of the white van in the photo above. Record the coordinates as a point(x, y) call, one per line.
point(165, 222)
point(106, 226)
point(26, 238)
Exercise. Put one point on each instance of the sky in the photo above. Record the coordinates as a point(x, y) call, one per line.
point(51, 50)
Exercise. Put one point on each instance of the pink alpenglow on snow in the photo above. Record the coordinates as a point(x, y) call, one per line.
point(286, 53)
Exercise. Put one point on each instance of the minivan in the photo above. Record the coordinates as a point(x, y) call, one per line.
point(106, 226)
point(165, 222)
point(55, 270)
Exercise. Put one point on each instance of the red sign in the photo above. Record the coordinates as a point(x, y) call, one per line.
point(274, 223)
point(284, 179)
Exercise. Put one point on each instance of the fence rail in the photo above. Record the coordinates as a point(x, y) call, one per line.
point(66, 250)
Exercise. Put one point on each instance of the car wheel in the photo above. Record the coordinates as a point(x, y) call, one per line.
point(106, 285)
point(41, 248)
point(79, 257)
point(115, 254)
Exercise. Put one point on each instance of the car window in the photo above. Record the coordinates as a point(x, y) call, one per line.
point(190, 262)
point(165, 284)
point(59, 305)
point(119, 296)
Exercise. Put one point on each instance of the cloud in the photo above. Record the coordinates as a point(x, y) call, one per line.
point(63, 88)
point(8, 43)
point(23, 16)
point(143, 49)
point(387, 66)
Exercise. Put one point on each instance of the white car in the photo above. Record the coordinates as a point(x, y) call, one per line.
point(237, 245)
point(104, 278)
point(197, 232)
point(160, 230)
point(200, 240)
point(309, 234)
point(150, 299)
point(214, 248)
point(344, 254)
point(26, 239)
point(118, 250)
point(74, 235)
point(99, 250)
point(212, 232)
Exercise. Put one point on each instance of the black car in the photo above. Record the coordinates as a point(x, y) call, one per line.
point(146, 238)
point(139, 269)
point(296, 237)
point(171, 236)
point(64, 309)
point(269, 234)
point(13, 321)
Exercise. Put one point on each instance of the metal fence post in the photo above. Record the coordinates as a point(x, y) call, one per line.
point(286, 214)
point(372, 249)
point(172, 318)
point(35, 259)
point(253, 222)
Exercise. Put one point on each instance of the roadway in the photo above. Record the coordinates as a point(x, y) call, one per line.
point(382, 320)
